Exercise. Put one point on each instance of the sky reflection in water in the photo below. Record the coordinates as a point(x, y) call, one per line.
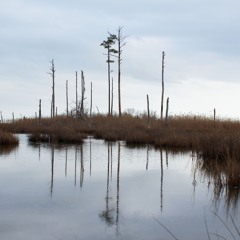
point(105, 191)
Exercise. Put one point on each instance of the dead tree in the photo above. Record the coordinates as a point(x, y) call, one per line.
point(13, 117)
point(76, 94)
point(121, 43)
point(67, 97)
point(214, 114)
point(108, 45)
point(52, 73)
point(91, 104)
point(83, 93)
point(40, 112)
point(148, 112)
point(163, 56)
point(112, 99)
point(167, 107)
point(1, 117)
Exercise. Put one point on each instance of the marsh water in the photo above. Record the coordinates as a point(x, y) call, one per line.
point(102, 190)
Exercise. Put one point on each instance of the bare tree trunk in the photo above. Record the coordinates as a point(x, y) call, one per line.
point(67, 96)
point(91, 105)
point(121, 44)
point(40, 112)
point(167, 107)
point(162, 99)
point(53, 87)
point(1, 117)
point(109, 84)
point(76, 94)
point(83, 93)
point(52, 73)
point(214, 114)
point(51, 108)
point(148, 112)
point(112, 99)
point(13, 116)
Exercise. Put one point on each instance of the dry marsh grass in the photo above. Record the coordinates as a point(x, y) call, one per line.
point(219, 139)
point(212, 140)
point(7, 138)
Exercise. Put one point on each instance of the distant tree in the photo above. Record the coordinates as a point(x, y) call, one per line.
point(108, 44)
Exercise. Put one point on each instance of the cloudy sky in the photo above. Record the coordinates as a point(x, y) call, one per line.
point(200, 38)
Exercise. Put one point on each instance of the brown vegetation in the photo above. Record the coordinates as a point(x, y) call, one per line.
point(7, 139)
point(213, 141)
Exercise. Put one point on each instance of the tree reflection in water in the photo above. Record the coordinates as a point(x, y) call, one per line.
point(52, 169)
point(107, 215)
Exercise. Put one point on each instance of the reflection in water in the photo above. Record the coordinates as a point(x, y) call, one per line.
point(108, 214)
point(90, 154)
point(81, 166)
point(148, 177)
point(78, 151)
point(52, 169)
point(5, 150)
point(222, 175)
point(118, 187)
point(66, 160)
point(147, 157)
point(166, 157)
point(39, 152)
point(161, 185)
point(213, 173)
point(75, 175)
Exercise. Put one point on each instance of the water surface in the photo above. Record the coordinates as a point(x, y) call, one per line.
point(102, 190)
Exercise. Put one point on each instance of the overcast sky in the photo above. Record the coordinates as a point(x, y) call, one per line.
point(200, 39)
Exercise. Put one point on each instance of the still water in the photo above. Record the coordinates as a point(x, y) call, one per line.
point(102, 190)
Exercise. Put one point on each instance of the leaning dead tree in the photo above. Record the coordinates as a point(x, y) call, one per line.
point(108, 44)
point(121, 43)
point(52, 73)
point(162, 99)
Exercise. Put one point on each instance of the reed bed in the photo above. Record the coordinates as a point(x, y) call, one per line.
point(213, 141)
point(7, 139)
